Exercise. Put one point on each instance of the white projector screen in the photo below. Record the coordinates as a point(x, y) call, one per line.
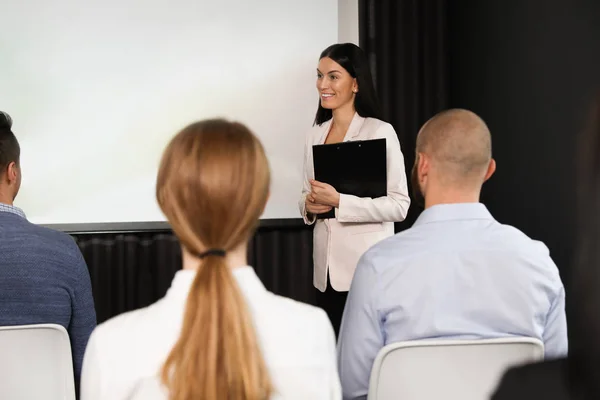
point(96, 89)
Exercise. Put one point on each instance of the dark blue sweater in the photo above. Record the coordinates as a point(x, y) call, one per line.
point(44, 279)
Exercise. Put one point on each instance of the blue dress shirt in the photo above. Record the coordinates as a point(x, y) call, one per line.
point(456, 274)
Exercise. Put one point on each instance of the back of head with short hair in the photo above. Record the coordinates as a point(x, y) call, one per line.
point(9, 146)
point(459, 144)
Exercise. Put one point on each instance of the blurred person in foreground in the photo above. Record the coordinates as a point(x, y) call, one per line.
point(577, 376)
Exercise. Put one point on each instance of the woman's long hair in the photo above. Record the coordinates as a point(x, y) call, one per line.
point(583, 300)
point(212, 185)
point(354, 60)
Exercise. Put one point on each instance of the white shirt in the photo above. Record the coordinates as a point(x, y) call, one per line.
point(456, 274)
point(297, 341)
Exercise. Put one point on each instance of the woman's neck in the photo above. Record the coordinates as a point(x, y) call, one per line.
point(342, 118)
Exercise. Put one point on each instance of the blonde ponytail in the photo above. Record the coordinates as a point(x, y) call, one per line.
point(217, 355)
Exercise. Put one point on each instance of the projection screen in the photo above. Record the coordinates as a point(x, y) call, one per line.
point(96, 89)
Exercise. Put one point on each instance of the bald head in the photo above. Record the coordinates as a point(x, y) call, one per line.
point(459, 145)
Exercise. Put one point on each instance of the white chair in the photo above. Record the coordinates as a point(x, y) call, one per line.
point(36, 363)
point(447, 369)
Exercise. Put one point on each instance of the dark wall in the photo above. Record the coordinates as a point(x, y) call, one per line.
point(529, 68)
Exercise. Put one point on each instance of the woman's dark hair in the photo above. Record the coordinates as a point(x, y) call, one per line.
point(583, 299)
point(354, 60)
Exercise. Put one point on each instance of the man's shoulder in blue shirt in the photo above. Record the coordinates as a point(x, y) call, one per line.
point(456, 274)
point(465, 232)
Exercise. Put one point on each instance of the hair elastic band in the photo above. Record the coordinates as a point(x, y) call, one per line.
point(212, 252)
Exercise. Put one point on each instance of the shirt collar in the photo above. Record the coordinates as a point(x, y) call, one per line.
point(246, 278)
point(453, 212)
point(12, 209)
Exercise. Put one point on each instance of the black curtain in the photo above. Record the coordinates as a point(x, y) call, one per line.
point(129, 271)
point(406, 45)
point(530, 69)
point(133, 270)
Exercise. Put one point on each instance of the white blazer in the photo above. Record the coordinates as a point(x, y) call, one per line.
point(359, 222)
point(125, 354)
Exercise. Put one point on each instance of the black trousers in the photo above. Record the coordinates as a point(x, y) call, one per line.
point(333, 303)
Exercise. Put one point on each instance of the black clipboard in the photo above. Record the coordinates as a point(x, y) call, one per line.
point(358, 168)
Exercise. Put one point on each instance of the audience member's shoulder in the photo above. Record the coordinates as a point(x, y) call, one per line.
point(394, 248)
point(131, 323)
point(58, 238)
point(518, 237)
point(132, 338)
point(298, 309)
point(308, 325)
point(532, 381)
point(40, 236)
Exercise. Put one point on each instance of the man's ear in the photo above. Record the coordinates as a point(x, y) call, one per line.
point(491, 169)
point(12, 172)
point(423, 165)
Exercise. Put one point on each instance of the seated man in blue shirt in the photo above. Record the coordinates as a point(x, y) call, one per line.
point(43, 277)
point(457, 273)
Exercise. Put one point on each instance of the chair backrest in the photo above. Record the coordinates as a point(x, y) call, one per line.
point(36, 363)
point(447, 369)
